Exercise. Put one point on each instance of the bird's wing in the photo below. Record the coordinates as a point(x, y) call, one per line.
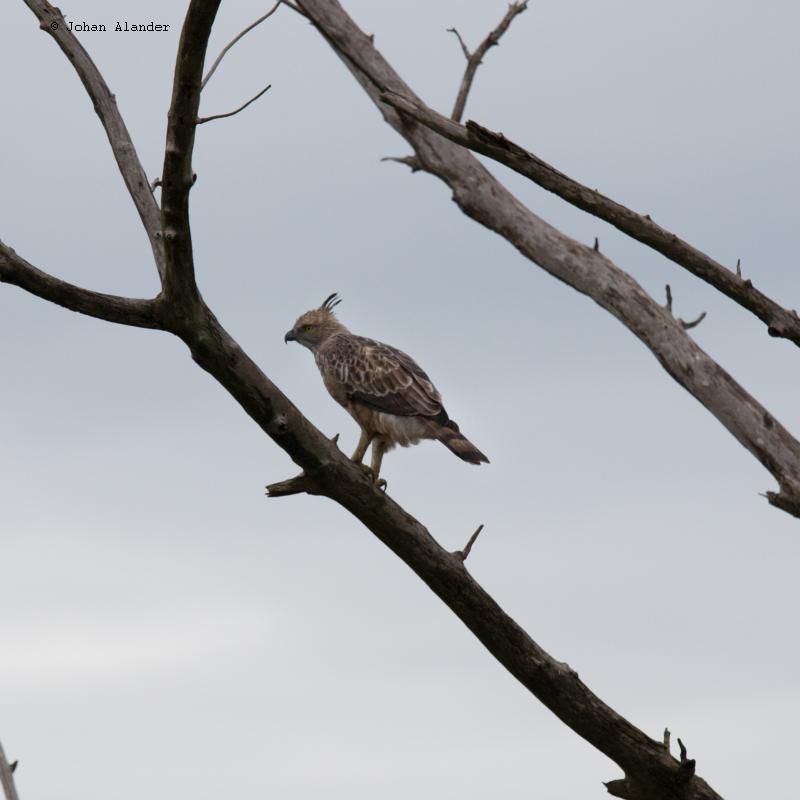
point(387, 380)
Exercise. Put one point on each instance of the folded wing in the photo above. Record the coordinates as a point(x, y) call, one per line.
point(388, 380)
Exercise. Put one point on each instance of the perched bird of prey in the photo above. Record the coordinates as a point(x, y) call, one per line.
point(384, 390)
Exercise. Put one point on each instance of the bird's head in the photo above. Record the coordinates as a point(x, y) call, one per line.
point(316, 326)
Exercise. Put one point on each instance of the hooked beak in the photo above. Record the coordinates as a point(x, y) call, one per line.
point(290, 337)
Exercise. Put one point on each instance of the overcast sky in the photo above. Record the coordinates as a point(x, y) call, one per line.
point(169, 632)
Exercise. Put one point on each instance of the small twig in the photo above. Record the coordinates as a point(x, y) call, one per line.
point(300, 484)
point(409, 161)
point(688, 765)
point(474, 59)
point(155, 184)
point(201, 120)
point(596, 245)
point(683, 750)
point(682, 322)
point(738, 267)
point(235, 39)
point(7, 777)
point(462, 554)
point(666, 739)
point(335, 438)
point(693, 324)
point(464, 49)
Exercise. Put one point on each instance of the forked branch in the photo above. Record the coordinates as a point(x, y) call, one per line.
point(474, 59)
point(685, 325)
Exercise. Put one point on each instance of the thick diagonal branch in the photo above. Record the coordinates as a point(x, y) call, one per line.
point(648, 768)
point(127, 311)
point(483, 198)
point(474, 59)
point(51, 21)
point(330, 473)
point(177, 176)
point(779, 321)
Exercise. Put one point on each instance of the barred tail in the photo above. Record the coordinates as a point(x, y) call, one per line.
point(455, 441)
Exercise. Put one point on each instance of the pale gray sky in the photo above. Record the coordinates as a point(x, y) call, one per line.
point(167, 631)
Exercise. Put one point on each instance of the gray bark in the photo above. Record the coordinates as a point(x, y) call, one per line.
point(780, 321)
point(483, 198)
point(650, 770)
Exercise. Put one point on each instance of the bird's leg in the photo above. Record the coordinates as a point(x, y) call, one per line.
point(379, 447)
point(361, 447)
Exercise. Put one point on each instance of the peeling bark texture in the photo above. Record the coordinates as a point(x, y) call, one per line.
point(483, 198)
point(51, 21)
point(780, 321)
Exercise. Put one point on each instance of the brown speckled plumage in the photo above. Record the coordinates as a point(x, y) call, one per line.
point(384, 389)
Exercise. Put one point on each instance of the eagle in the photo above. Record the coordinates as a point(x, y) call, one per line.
point(387, 393)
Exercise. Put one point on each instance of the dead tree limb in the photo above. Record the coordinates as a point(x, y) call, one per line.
point(649, 770)
point(474, 59)
point(127, 311)
point(105, 105)
point(177, 177)
point(780, 321)
point(483, 198)
point(242, 107)
point(235, 39)
point(7, 777)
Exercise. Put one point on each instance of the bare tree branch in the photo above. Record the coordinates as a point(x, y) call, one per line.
point(780, 321)
point(242, 107)
point(336, 477)
point(464, 554)
point(483, 198)
point(235, 39)
point(464, 48)
point(649, 770)
point(410, 161)
point(177, 176)
point(300, 484)
point(51, 21)
point(17, 271)
point(474, 59)
point(7, 777)
point(693, 323)
point(685, 325)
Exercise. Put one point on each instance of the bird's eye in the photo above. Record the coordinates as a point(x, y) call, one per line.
point(307, 328)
